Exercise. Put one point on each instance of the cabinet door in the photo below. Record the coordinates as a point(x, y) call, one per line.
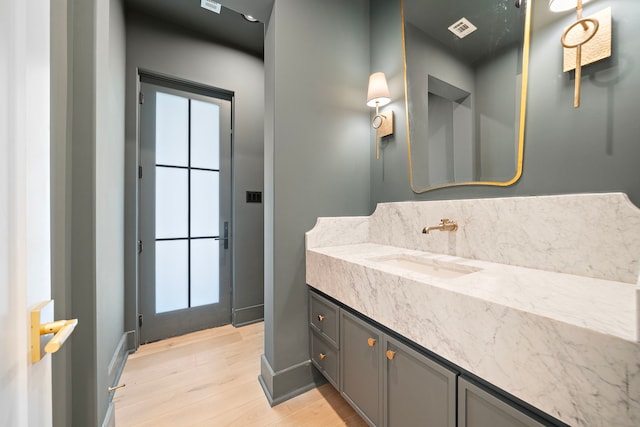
point(478, 408)
point(361, 367)
point(418, 390)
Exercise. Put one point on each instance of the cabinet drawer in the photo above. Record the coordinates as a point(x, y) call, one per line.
point(324, 318)
point(325, 357)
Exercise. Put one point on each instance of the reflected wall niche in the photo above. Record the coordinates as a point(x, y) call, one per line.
point(465, 71)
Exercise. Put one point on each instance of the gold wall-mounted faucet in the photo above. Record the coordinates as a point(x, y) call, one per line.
point(445, 225)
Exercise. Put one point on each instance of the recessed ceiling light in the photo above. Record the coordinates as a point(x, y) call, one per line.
point(249, 18)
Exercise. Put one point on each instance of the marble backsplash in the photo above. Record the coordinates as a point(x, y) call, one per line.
point(592, 235)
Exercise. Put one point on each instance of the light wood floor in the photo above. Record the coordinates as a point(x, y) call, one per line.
point(210, 378)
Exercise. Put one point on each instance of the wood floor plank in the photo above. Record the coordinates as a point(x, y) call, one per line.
point(210, 378)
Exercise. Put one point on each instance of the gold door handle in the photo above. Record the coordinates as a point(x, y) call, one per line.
point(320, 317)
point(371, 342)
point(391, 354)
point(322, 356)
point(61, 329)
point(110, 389)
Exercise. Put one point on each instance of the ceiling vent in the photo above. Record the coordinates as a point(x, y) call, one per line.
point(462, 28)
point(210, 5)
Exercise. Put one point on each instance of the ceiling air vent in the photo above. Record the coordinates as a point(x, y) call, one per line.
point(210, 5)
point(462, 28)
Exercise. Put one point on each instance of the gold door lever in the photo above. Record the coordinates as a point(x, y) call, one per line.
point(61, 329)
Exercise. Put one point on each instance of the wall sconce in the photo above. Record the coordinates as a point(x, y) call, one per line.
point(378, 96)
point(585, 41)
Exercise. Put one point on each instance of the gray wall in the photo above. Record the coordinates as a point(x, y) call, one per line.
point(88, 202)
point(60, 199)
point(316, 160)
point(591, 149)
point(109, 197)
point(163, 48)
point(497, 101)
point(389, 179)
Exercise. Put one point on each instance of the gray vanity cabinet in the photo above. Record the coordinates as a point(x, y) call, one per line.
point(361, 362)
point(418, 391)
point(479, 408)
point(391, 384)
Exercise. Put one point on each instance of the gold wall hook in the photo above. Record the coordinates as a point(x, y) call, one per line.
point(40, 332)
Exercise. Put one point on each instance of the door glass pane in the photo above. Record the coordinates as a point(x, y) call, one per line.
point(204, 203)
point(204, 272)
point(172, 132)
point(205, 135)
point(172, 275)
point(172, 201)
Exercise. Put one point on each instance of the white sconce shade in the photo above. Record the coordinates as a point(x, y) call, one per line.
point(562, 5)
point(378, 93)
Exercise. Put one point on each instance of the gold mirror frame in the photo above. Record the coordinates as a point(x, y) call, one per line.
point(523, 107)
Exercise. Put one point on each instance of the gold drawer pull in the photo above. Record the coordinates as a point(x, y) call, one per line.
point(391, 354)
point(322, 356)
point(371, 342)
point(320, 317)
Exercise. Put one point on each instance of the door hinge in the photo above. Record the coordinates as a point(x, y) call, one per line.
point(140, 246)
point(139, 319)
point(141, 98)
point(139, 172)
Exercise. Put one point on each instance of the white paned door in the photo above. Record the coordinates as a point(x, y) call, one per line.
point(185, 210)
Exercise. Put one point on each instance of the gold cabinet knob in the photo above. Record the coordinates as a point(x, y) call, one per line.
point(322, 356)
point(320, 317)
point(371, 342)
point(391, 354)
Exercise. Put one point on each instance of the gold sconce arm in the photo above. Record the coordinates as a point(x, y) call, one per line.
point(60, 329)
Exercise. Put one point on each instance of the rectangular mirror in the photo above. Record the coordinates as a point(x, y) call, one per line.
point(465, 66)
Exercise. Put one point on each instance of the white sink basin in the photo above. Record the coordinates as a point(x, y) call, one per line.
point(436, 268)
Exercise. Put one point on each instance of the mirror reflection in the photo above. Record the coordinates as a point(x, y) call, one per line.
point(465, 73)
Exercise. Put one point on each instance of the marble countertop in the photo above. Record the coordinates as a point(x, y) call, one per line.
point(603, 306)
point(565, 344)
